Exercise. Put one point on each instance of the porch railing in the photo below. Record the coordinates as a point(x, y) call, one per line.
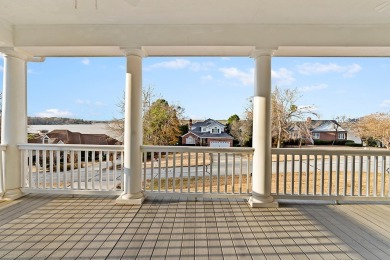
point(197, 171)
point(339, 174)
point(70, 169)
point(3, 148)
point(325, 174)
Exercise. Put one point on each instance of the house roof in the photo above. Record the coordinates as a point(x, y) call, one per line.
point(69, 137)
point(197, 130)
point(206, 123)
point(318, 126)
point(210, 135)
point(95, 128)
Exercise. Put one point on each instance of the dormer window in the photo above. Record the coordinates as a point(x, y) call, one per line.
point(215, 130)
point(45, 139)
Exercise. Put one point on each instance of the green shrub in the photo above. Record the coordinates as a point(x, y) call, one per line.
point(353, 144)
point(337, 142)
point(321, 142)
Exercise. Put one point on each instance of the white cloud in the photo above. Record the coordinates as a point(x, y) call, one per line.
point(282, 77)
point(89, 102)
point(182, 64)
point(319, 68)
point(246, 78)
point(99, 103)
point(174, 64)
point(83, 101)
point(352, 70)
point(202, 66)
point(385, 103)
point(85, 61)
point(207, 77)
point(313, 88)
point(30, 71)
point(54, 112)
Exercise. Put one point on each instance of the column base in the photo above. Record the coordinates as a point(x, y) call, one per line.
point(130, 199)
point(259, 202)
point(13, 194)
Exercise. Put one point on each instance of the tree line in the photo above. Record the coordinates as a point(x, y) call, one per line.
point(56, 121)
point(162, 121)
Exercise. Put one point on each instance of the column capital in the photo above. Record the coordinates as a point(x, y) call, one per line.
point(16, 53)
point(134, 51)
point(261, 52)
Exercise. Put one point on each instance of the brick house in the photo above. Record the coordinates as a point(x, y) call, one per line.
point(207, 133)
point(327, 130)
point(320, 130)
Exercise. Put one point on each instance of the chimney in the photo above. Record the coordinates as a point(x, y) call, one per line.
point(189, 124)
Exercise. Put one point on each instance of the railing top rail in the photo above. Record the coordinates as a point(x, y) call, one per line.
point(3, 147)
point(195, 149)
point(70, 147)
point(331, 151)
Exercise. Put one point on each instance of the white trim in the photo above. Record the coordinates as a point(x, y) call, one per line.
point(343, 136)
point(190, 140)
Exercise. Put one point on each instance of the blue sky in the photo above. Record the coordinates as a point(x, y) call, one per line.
point(207, 87)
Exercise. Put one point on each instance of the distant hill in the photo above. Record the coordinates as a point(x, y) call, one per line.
point(56, 121)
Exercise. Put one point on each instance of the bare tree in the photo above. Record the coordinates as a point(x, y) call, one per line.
point(286, 115)
point(302, 132)
point(117, 126)
point(375, 126)
point(286, 112)
point(242, 130)
point(161, 121)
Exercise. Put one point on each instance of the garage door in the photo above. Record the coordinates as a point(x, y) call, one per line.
point(219, 144)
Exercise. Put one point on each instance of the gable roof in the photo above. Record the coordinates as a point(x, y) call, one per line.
point(206, 123)
point(209, 135)
point(318, 126)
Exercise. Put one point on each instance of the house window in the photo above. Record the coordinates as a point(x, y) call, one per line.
point(190, 140)
point(316, 135)
point(215, 130)
point(45, 139)
point(341, 136)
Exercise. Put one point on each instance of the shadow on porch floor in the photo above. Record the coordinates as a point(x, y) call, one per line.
point(53, 226)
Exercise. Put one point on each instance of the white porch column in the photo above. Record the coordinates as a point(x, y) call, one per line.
point(14, 121)
point(261, 140)
point(133, 194)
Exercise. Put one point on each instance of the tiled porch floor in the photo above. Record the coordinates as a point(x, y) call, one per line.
point(55, 227)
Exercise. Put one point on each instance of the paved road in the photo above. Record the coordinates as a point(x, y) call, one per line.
point(208, 169)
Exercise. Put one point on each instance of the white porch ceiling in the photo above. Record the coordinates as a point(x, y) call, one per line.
point(196, 27)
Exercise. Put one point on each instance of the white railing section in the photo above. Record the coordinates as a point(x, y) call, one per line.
point(3, 148)
point(197, 171)
point(339, 174)
point(72, 168)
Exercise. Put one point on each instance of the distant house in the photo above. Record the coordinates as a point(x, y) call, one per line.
point(327, 130)
point(69, 137)
point(320, 130)
point(207, 133)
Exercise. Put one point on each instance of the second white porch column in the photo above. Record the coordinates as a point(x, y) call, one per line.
point(261, 139)
point(133, 194)
point(14, 121)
